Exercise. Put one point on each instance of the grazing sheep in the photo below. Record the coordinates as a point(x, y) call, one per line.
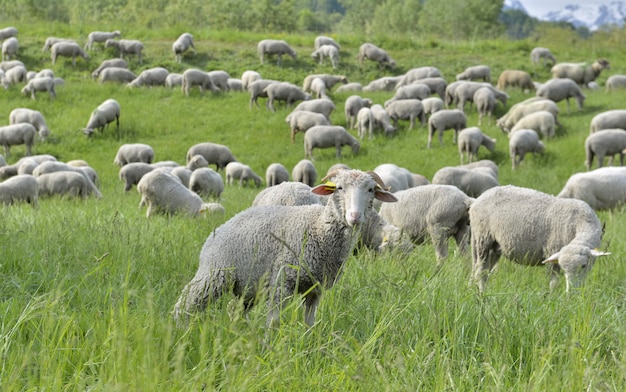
point(465, 91)
point(484, 165)
point(615, 82)
point(13, 76)
point(437, 85)
point(181, 45)
point(321, 40)
point(243, 173)
point(136, 152)
point(33, 117)
point(417, 74)
point(485, 102)
point(42, 85)
point(325, 136)
point(7, 65)
point(302, 120)
point(132, 172)
point(55, 166)
point(9, 48)
point(116, 74)
point(386, 83)
point(272, 47)
point(559, 89)
point(304, 171)
point(107, 112)
point(16, 134)
point(522, 142)
point(412, 91)
point(329, 80)
point(323, 106)
point(183, 173)
point(19, 188)
point(542, 122)
point(470, 140)
point(609, 119)
point(544, 54)
point(287, 194)
point(476, 72)
point(286, 240)
point(607, 142)
point(206, 182)
point(275, 174)
point(603, 188)
point(215, 154)
point(248, 77)
point(23, 165)
point(234, 84)
point(118, 63)
point(472, 182)
point(352, 106)
point(354, 87)
point(257, 90)
point(195, 77)
point(100, 37)
point(328, 51)
point(520, 110)
point(365, 123)
point(197, 162)
point(396, 178)
point(173, 79)
point(8, 32)
point(53, 40)
point(383, 120)
point(219, 79)
point(126, 47)
point(374, 53)
point(446, 119)
point(580, 73)
point(515, 78)
point(70, 183)
point(566, 233)
point(150, 77)
point(432, 105)
point(318, 89)
point(436, 211)
point(406, 109)
point(284, 91)
point(67, 49)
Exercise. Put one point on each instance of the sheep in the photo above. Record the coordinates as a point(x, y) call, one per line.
point(352, 106)
point(329, 80)
point(118, 63)
point(8, 32)
point(287, 194)
point(603, 188)
point(41, 85)
point(100, 37)
point(53, 40)
point(542, 122)
point(329, 51)
point(33, 117)
point(302, 120)
point(566, 233)
point(374, 53)
point(472, 182)
point(406, 109)
point(219, 79)
point(432, 105)
point(446, 119)
point(287, 240)
point(518, 111)
point(484, 165)
point(243, 173)
point(206, 182)
point(183, 173)
point(14, 75)
point(55, 166)
point(23, 165)
point(181, 45)
point(257, 90)
point(275, 174)
point(116, 74)
point(522, 142)
point(22, 187)
point(322, 105)
point(485, 102)
point(325, 136)
point(515, 78)
point(559, 89)
point(248, 77)
point(136, 152)
point(365, 122)
point(605, 142)
point(7, 65)
point(195, 77)
point(15, 134)
point(284, 91)
point(318, 89)
point(615, 82)
point(126, 47)
point(395, 177)
point(234, 84)
point(386, 83)
point(465, 91)
point(73, 184)
point(196, 162)
point(544, 54)
point(416, 74)
point(321, 40)
point(476, 72)
point(150, 77)
point(9, 48)
point(437, 85)
point(350, 87)
point(132, 172)
point(107, 112)
point(304, 171)
point(268, 47)
point(608, 120)
point(580, 73)
point(215, 154)
point(383, 120)
point(3, 162)
point(67, 49)
point(437, 211)
point(412, 91)
point(173, 79)
point(470, 140)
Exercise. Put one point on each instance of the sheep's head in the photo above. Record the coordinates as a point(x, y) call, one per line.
point(576, 262)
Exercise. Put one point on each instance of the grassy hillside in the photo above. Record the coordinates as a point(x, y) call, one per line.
point(88, 286)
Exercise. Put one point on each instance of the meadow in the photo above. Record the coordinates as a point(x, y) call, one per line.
point(88, 286)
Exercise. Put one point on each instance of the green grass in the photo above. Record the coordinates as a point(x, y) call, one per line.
point(88, 286)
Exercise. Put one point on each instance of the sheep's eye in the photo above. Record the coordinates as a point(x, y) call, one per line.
point(339, 188)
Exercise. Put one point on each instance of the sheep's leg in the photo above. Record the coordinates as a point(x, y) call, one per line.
point(441, 137)
point(311, 302)
point(440, 237)
point(484, 260)
point(462, 237)
point(601, 160)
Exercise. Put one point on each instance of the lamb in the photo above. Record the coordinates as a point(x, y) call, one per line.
point(215, 154)
point(470, 140)
point(515, 78)
point(67, 49)
point(126, 47)
point(173, 79)
point(15, 134)
point(544, 54)
point(73, 184)
point(248, 77)
point(33, 117)
point(485, 102)
point(318, 89)
point(580, 73)
point(605, 142)
point(116, 74)
point(383, 120)
point(418, 73)
point(13, 76)
point(560, 89)
point(8, 32)
point(602, 189)
point(518, 111)
point(275, 174)
point(19, 188)
point(365, 123)
point(41, 85)
point(132, 172)
point(136, 152)
point(386, 83)
point(353, 104)
point(284, 91)
point(412, 91)
point(609, 119)
point(272, 47)
point(472, 182)
point(304, 171)
point(615, 82)
point(150, 77)
point(206, 182)
point(53, 40)
point(302, 120)
point(432, 105)
point(243, 173)
point(566, 233)
point(406, 109)
point(287, 194)
point(522, 142)
point(181, 45)
point(257, 90)
point(194, 77)
point(374, 53)
point(321, 40)
point(287, 241)
point(329, 80)
point(323, 106)
point(100, 37)
point(446, 119)
point(542, 122)
point(437, 211)
point(219, 79)
point(328, 51)
point(107, 112)
point(477, 72)
point(9, 48)
point(118, 63)
point(325, 136)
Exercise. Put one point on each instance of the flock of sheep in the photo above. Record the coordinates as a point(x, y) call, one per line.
point(297, 235)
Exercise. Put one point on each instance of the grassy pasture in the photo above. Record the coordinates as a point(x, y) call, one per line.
point(88, 286)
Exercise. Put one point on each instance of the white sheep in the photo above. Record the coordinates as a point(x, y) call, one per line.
point(465, 91)
point(100, 37)
point(374, 53)
point(55, 166)
point(22, 187)
point(305, 172)
point(215, 154)
point(385, 83)
point(183, 173)
point(13, 76)
point(327, 136)
point(522, 109)
point(150, 77)
point(195, 77)
point(580, 73)
point(560, 89)
point(351, 108)
point(234, 84)
point(7, 65)
point(484, 165)
point(396, 178)
point(603, 188)
point(116, 74)
point(9, 48)
point(321, 40)
point(419, 73)
point(53, 40)
point(328, 51)
point(33, 117)
point(67, 49)
point(257, 90)
point(181, 45)
point(275, 174)
point(323, 106)
point(318, 89)
point(412, 91)
point(286, 240)
point(135, 152)
point(248, 77)
point(206, 182)
point(437, 85)
point(406, 109)
point(107, 112)
point(515, 78)
point(446, 119)
point(173, 79)
point(70, 183)
point(219, 79)
point(606, 142)
point(197, 162)
point(485, 102)
point(432, 105)
point(472, 182)
point(126, 47)
point(353, 87)
point(330, 80)
point(40, 85)
point(119, 63)
point(470, 140)
point(302, 120)
point(273, 47)
point(16, 134)
point(565, 233)
point(522, 142)
point(542, 122)
point(615, 82)
point(284, 91)
point(287, 194)
point(365, 123)
point(544, 54)
point(476, 72)
point(243, 173)
point(383, 120)
point(132, 172)
point(609, 119)
point(8, 32)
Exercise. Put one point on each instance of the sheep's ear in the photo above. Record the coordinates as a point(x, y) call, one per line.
point(554, 259)
point(384, 195)
point(325, 189)
point(597, 253)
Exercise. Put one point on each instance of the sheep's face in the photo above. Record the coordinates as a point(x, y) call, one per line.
point(576, 262)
